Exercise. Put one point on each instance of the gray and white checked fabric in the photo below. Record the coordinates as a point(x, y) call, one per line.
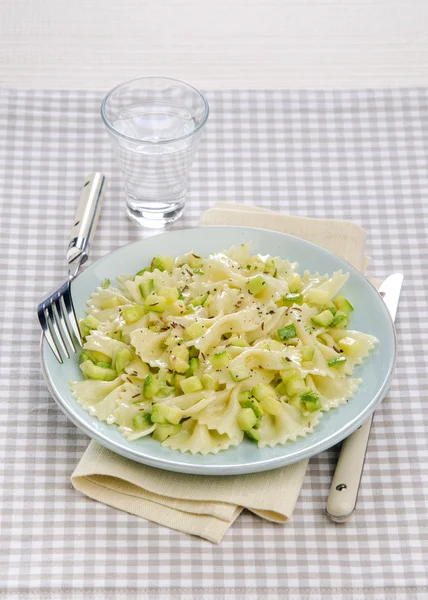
point(357, 155)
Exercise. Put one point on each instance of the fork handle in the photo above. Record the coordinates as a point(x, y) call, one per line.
point(344, 489)
point(86, 219)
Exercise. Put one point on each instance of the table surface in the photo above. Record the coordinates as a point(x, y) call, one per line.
point(226, 44)
point(356, 155)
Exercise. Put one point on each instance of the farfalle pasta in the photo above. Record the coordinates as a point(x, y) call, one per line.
point(200, 353)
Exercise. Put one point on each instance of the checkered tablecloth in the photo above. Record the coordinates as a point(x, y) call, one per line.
point(357, 155)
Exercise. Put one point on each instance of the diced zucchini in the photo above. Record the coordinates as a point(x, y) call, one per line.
point(92, 371)
point(337, 362)
point(253, 434)
point(193, 365)
point(163, 263)
point(310, 401)
point(163, 431)
point(254, 405)
point(91, 322)
point(105, 284)
point(307, 353)
point(193, 352)
point(324, 318)
point(147, 287)
point(133, 314)
point(173, 338)
point(141, 422)
point(155, 303)
point(340, 320)
point(103, 365)
point(295, 386)
point(199, 300)
point(281, 389)
point(294, 283)
point(84, 331)
point(179, 359)
point(317, 296)
point(178, 308)
point(95, 356)
point(244, 396)
point(161, 413)
point(239, 372)
point(84, 356)
point(290, 299)
point(350, 346)
point(256, 284)
point(262, 390)
point(246, 419)
point(267, 397)
point(195, 330)
point(287, 333)
point(165, 391)
point(113, 302)
point(332, 309)
point(342, 304)
point(270, 267)
point(169, 293)
point(178, 378)
point(123, 358)
point(151, 386)
point(98, 356)
point(238, 342)
point(143, 271)
point(209, 382)
point(271, 406)
point(220, 360)
point(288, 374)
point(191, 384)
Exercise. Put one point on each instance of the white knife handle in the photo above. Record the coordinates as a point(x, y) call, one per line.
point(342, 498)
point(86, 219)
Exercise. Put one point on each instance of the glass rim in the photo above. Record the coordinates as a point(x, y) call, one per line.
point(110, 126)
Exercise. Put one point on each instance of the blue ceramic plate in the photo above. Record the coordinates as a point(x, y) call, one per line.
point(370, 315)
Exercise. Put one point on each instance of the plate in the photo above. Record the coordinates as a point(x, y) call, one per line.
point(370, 315)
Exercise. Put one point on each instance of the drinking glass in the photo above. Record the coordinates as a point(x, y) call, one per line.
point(155, 124)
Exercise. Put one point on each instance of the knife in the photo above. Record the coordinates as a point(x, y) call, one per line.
point(343, 495)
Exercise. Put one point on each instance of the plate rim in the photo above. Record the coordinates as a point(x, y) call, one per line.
point(241, 468)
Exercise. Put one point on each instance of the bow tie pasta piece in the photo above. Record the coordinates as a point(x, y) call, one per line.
point(286, 426)
point(333, 392)
point(244, 320)
point(90, 391)
point(150, 347)
point(221, 415)
point(105, 304)
point(198, 439)
point(99, 342)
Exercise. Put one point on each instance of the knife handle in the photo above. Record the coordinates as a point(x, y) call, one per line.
point(85, 221)
point(342, 498)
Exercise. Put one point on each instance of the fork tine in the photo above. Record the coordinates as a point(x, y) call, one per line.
point(63, 322)
point(54, 325)
point(68, 303)
point(47, 333)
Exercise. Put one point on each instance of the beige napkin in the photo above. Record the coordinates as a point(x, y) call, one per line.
point(207, 506)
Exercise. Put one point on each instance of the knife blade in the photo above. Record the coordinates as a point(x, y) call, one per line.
point(345, 485)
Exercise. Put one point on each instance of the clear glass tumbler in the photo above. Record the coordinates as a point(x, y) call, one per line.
point(155, 124)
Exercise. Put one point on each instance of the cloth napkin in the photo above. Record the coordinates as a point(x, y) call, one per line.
point(207, 506)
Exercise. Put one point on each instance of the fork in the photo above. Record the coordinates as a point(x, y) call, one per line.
point(56, 312)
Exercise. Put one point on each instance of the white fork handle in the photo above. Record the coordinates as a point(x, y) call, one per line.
point(86, 219)
point(343, 495)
